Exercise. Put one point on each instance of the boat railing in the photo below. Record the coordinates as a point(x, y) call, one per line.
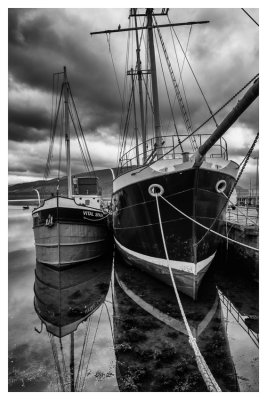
point(239, 318)
point(146, 152)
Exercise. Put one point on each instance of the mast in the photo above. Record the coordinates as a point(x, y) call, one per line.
point(139, 74)
point(67, 133)
point(135, 120)
point(241, 106)
point(154, 83)
point(149, 14)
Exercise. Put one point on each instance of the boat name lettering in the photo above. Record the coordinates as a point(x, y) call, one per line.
point(92, 214)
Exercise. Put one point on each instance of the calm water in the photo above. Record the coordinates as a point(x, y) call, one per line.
point(99, 328)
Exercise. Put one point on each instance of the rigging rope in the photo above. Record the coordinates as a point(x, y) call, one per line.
point(57, 365)
point(65, 375)
point(175, 127)
point(201, 91)
point(114, 68)
point(60, 145)
point(206, 121)
point(126, 126)
point(80, 145)
point(250, 16)
point(207, 228)
point(81, 364)
point(50, 152)
point(202, 365)
point(81, 132)
point(236, 182)
point(177, 92)
point(89, 358)
point(181, 70)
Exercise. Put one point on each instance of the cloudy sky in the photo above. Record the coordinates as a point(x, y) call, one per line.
point(223, 54)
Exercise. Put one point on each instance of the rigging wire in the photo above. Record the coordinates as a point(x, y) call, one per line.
point(124, 94)
point(89, 358)
point(250, 16)
point(231, 191)
point(114, 68)
point(65, 374)
point(79, 142)
point(60, 147)
point(207, 120)
point(57, 365)
point(128, 116)
point(178, 94)
point(85, 342)
point(180, 71)
point(81, 132)
point(50, 152)
point(176, 130)
point(201, 91)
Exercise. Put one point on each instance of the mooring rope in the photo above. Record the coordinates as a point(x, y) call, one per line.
point(201, 363)
point(99, 219)
point(208, 229)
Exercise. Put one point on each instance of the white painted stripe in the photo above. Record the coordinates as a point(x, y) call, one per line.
point(65, 203)
point(174, 264)
point(67, 244)
point(56, 263)
point(174, 167)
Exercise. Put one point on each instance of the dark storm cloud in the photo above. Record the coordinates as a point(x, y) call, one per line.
point(27, 124)
point(223, 55)
point(20, 133)
point(42, 41)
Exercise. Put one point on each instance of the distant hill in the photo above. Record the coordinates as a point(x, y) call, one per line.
point(26, 190)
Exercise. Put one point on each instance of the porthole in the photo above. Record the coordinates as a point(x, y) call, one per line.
point(220, 186)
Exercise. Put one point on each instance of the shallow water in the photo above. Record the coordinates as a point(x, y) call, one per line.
point(111, 329)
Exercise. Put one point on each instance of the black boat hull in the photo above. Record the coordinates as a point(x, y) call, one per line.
point(137, 230)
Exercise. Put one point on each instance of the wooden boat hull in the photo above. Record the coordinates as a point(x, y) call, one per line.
point(186, 280)
point(66, 233)
point(137, 231)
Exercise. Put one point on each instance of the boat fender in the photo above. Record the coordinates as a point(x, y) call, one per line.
point(155, 190)
point(49, 221)
point(220, 186)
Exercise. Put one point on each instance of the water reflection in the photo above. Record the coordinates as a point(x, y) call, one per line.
point(151, 347)
point(151, 343)
point(63, 300)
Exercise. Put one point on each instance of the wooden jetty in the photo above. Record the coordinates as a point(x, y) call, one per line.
point(242, 226)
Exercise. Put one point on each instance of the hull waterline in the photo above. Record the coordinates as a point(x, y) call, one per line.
point(137, 230)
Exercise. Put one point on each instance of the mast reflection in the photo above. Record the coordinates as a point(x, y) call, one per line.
point(64, 301)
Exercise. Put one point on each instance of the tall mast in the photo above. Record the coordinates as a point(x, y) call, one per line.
point(67, 133)
point(149, 14)
point(139, 74)
point(154, 83)
point(135, 120)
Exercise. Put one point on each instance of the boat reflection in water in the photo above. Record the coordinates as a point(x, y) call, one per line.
point(63, 300)
point(151, 343)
